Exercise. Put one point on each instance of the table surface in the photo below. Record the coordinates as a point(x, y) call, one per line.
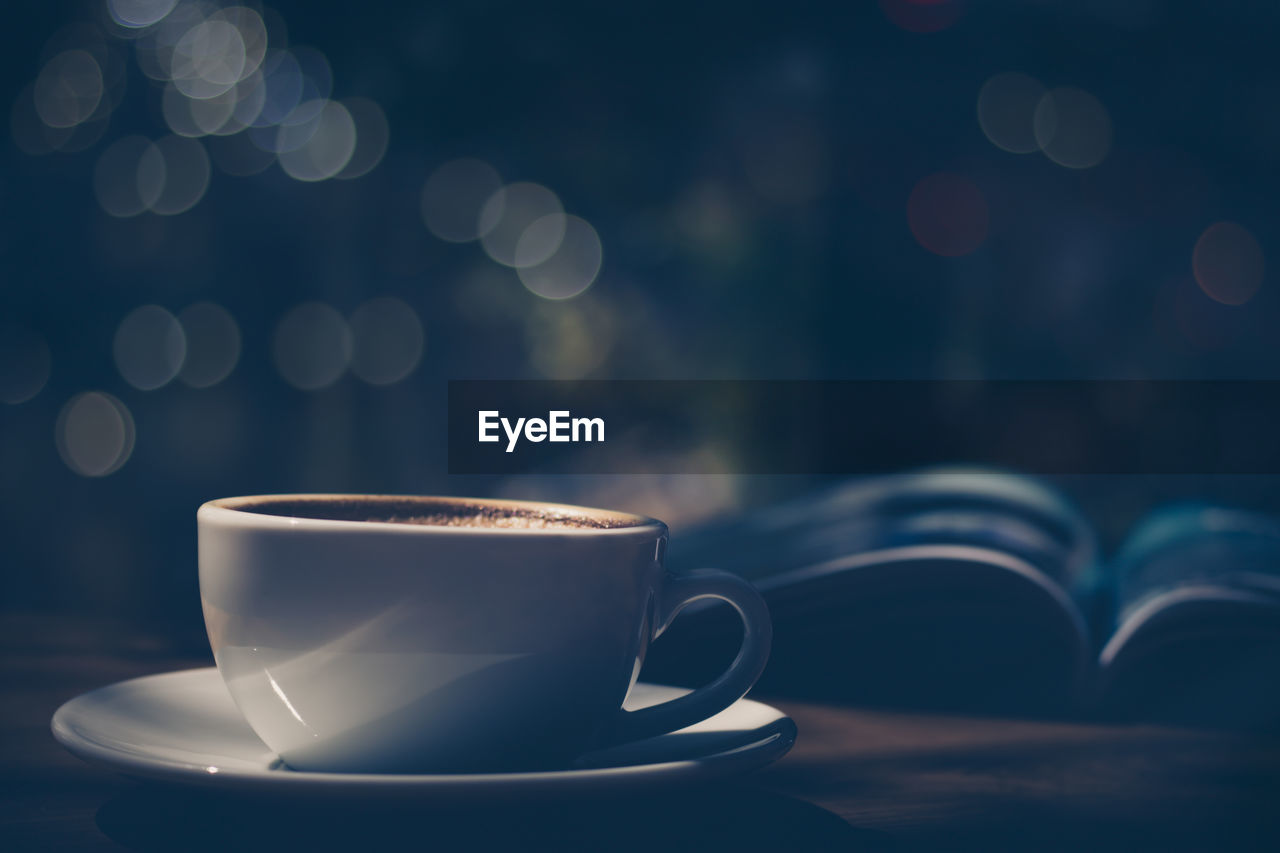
point(856, 780)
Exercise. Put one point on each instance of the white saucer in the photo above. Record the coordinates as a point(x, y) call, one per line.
point(182, 727)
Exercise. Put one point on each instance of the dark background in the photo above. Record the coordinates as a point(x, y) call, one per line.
point(749, 172)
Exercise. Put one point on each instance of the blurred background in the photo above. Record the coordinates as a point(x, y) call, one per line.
point(243, 248)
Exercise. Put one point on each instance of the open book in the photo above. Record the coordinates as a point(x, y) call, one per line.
point(984, 590)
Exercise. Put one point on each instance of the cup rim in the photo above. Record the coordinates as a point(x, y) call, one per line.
point(233, 511)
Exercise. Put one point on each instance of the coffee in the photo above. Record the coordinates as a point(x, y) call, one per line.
point(438, 513)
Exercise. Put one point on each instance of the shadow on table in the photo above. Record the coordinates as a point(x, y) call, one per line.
point(701, 819)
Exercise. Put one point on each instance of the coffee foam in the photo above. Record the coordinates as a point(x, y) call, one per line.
point(431, 513)
point(521, 522)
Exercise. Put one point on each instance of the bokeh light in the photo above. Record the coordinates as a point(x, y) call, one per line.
point(312, 346)
point(208, 60)
point(508, 213)
point(116, 177)
point(225, 72)
point(372, 135)
point(183, 169)
point(293, 133)
point(251, 32)
point(387, 341)
point(168, 176)
point(948, 214)
point(296, 89)
point(453, 197)
point(80, 82)
point(218, 52)
point(220, 115)
point(572, 268)
point(32, 136)
point(177, 112)
point(149, 347)
point(213, 344)
point(317, 79)
point(151, 175)
point(250, 96)
point(69, 89)
point(282, 88)
point(24, 364)
point(1073, 128)
point(94, 434)
point(1006, 111)
point(154, 48)
point(330, 142)
point(139, 13)
point(540, 240)
point(1228, 263)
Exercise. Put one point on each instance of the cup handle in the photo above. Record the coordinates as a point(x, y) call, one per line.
point(678, 592)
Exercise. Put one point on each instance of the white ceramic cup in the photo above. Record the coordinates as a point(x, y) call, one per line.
point(352, 644)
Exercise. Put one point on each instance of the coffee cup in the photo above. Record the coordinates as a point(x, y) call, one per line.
point(424, 634)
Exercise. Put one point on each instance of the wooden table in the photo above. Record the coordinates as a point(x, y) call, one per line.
point(856, 780)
